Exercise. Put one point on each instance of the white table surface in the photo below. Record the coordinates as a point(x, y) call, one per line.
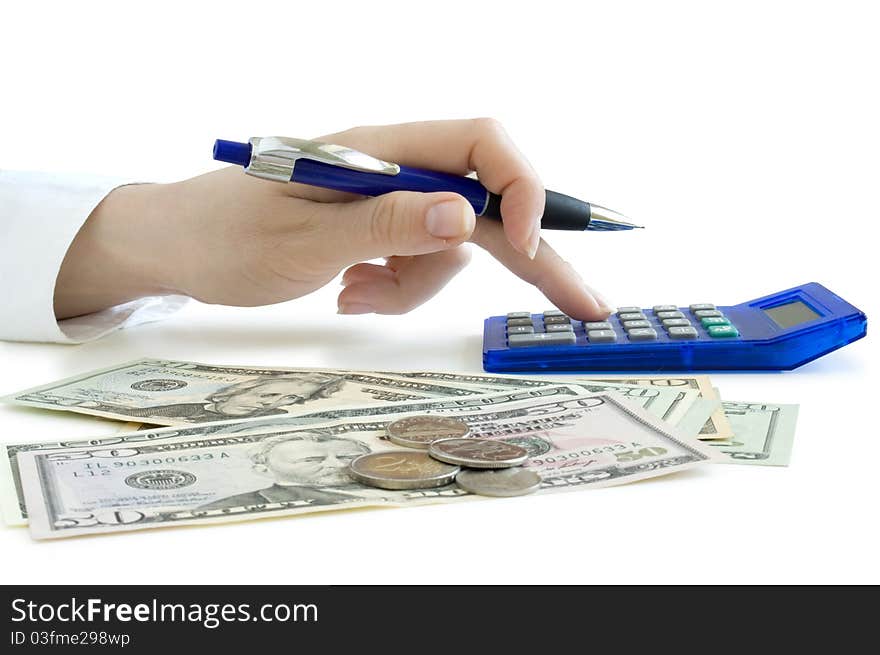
point(745, 140)
point(813, 520)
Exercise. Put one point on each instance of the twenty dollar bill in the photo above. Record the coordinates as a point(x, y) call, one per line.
point(763, 433)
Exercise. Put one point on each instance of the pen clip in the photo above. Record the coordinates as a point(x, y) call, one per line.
point(273, 157)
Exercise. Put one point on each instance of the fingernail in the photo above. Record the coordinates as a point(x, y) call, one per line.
point(534, 241)
point(447, 220)
point(355, 308)
point(603, 303)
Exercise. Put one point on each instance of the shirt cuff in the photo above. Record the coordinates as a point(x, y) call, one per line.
point(40, 215)
point(142, 310)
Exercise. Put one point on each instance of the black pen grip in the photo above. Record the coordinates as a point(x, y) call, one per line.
point(561, 212)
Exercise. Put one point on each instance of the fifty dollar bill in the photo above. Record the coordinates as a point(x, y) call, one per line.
point(576, 441)
point(655, 401)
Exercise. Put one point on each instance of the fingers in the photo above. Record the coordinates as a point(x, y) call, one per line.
point(548, 271)
point(400, 223)
point(402, 284)
point(461, 147)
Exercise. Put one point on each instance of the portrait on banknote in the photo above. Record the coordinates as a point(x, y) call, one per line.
point(260, 396)
point(168, 392)
point(305, 467)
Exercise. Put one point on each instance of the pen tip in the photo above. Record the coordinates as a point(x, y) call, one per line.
point(602, 218)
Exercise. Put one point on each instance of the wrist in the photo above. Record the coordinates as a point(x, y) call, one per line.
point(123, 251)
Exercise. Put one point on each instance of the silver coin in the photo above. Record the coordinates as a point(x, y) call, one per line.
point(420, 431)
point(500, 483)
point(478, 453)
point(401, 469)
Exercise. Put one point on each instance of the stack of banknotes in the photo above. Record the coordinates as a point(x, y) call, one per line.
point(243, 443)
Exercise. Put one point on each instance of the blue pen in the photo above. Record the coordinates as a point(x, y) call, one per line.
point(283, 159)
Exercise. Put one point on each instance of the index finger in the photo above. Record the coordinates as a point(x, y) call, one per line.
point(462, 147)
point(554, 276)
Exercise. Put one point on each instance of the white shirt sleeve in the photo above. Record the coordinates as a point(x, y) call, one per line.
point(40, 214)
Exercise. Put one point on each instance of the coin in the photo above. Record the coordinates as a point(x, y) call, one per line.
point(401, 469)
point(420, 431)
point(478, 453)
point(502, 482)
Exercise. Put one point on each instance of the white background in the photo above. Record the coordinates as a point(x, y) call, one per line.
point(744, 135)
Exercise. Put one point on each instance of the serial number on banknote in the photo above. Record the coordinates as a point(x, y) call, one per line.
point(628, 455)
point(131, 463)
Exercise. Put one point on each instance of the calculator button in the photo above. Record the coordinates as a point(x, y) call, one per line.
point(603, 325)
point(629, 325)
point(722, 331)
point(520, 329)
point(541, 339)
point(675, 322)
point(550, 320)
point(665, 308)
point(629, 310)
point(714, 320)
point(553, 312)
point(519, 315)
point(706, 313)
point(642, 334)
point(669, 314)
point(682, 333)
point(699, 306)
point(518, 321)
point(632, 316)
point(559, 327)
point(601, 336)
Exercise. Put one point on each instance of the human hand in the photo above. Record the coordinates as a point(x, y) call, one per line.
point(228, 238)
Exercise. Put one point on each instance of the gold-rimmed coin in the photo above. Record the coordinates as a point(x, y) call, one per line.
point(401, 469)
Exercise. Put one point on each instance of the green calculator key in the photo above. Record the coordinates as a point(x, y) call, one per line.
point(714, 320)
point(722, 331)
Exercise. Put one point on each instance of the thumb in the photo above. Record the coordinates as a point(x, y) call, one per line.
point(405, 223)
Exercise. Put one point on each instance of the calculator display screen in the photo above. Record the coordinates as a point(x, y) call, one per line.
point(791, 314)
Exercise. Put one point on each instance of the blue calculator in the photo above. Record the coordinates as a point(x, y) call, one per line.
point(778, 332)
